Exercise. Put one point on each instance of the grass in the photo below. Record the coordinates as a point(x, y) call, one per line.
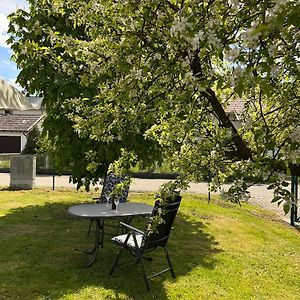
point(219, 251)
point(5, 164)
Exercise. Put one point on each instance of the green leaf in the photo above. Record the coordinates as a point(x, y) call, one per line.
point(286, 207)
point(294, 18)
point(276, 198)
point(239, 88)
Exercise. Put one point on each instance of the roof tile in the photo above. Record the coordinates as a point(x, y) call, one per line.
point(18, 123)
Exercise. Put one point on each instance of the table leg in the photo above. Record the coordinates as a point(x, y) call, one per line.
point(97, 243)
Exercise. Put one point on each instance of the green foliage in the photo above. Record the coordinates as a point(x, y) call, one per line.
point(5, 164)
point(32, 144)
point(157, 83)
point(237, 192)
point(168, 191)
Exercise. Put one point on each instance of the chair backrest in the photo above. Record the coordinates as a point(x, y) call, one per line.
point(109, 184)
point(159, 235)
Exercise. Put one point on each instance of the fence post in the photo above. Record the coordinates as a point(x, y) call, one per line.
point(294, 206)
point(208, 186)
point(53, 179)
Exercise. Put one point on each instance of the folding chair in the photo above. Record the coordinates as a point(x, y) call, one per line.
point(109, 184)
point(139, 242)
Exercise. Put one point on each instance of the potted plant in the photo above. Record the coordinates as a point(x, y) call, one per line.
point(168, 193)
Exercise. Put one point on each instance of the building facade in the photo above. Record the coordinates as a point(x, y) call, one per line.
point(18, 115)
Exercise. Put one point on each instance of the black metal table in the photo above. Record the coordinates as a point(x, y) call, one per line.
point(99, 212)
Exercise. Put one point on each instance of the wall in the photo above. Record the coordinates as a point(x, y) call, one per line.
point(22, 172)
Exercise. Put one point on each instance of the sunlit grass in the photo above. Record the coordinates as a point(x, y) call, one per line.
point(219, 251)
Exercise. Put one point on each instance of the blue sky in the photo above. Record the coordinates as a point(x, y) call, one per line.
point(8, 69)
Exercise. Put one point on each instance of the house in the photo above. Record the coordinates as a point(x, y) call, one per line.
point(234, 111)
point(18, 115)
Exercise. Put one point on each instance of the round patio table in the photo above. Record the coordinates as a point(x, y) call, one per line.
point(101, 211)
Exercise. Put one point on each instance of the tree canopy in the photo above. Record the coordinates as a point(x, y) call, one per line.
point(152, 79)
point(32, 144)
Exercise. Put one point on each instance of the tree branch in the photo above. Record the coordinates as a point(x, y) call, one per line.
point(243, 152)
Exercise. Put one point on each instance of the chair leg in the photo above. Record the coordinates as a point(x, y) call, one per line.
point(116, 261)
point(140, 260)
point(169, 262)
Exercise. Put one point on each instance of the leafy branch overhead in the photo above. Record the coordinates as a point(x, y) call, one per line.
point(156, 78)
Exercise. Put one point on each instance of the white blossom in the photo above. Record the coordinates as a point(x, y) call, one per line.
point(274, 72)
point(212, 39)
point(145, 63)
point(234, 3)
point(251, 38)
point(132, 25)
point(278, 5)
point(237, 72)
point(232, 54)
point(180, 26)
point(272, 49)
point(137, 73)
point(157, 56)
point(23, 51)
point(295, 135)
point(185, 63)
point(188, 78)
point(213, 153)
point(195, 41)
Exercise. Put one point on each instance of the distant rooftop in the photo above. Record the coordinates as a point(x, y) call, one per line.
point(18, 123)
point(236, 106)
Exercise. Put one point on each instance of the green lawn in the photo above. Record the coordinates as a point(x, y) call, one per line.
point(219, 251)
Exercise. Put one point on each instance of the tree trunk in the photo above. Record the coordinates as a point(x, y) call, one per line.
point(242, 151)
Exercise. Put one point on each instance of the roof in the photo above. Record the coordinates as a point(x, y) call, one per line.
point(36, 102)
point(11, 98)
point(236, 106)
point(18, 123)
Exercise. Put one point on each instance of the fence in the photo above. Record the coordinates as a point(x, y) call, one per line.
point(259, 193)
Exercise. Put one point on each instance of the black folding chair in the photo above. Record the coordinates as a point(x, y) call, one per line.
point(109, 184)
point(139, 242)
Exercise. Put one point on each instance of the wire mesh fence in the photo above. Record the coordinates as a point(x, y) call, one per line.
point(259, 194)
point(47, 181)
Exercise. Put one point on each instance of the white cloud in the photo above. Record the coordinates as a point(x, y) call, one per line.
point(8, 69)
point(3, 30)
point(3, 22)
point(3, 39)
point(10, 6)
point(11, 65)
point(12, 81)
point(7, 7)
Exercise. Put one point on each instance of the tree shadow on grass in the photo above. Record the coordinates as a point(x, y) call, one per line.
point(38, 258)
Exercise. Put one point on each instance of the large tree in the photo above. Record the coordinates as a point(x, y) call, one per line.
point(154, 78)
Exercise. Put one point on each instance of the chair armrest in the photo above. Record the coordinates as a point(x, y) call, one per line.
point(132, 228)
